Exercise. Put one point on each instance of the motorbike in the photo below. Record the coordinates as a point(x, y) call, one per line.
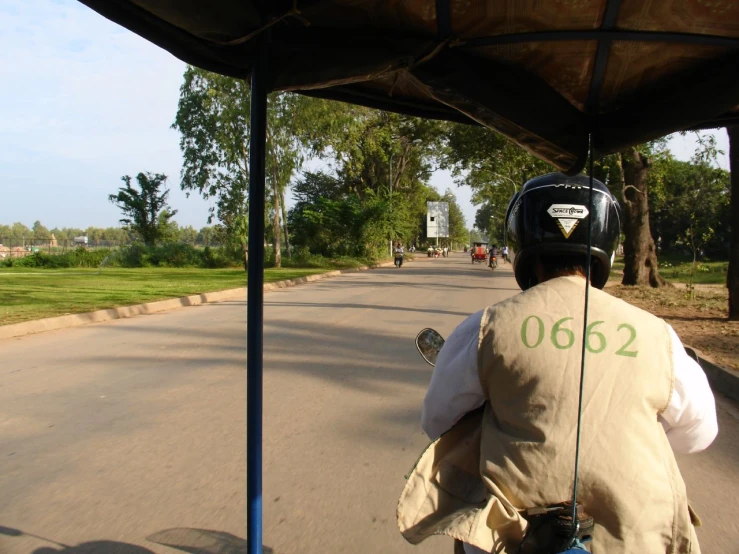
point(398, 259)
point(493, 262)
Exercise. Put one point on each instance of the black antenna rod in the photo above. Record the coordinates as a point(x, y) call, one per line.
point(575, 522)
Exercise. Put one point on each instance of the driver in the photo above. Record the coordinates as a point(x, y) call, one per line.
point(493, 254)
point(519, 362)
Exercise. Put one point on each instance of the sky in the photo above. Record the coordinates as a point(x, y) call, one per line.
point(83, 102)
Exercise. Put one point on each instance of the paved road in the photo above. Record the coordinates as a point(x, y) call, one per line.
point(126, 436)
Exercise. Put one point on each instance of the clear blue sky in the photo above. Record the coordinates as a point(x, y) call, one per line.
point(84, 101)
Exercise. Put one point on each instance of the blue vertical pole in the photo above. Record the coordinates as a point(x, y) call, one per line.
point(254, 308)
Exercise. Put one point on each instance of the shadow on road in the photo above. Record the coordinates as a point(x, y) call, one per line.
point(92, 547)
point(423, 285)
point(362, 306)
point(194, 541)
point(96, 547)
point(202, 541)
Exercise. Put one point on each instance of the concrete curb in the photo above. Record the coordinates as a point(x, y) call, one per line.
point(721, 380)
point(98, 316)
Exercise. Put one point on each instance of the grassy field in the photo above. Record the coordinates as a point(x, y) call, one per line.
point(27, 294)
point(677, 270)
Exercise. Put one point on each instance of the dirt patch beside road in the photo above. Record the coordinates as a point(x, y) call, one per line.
point(701, 322)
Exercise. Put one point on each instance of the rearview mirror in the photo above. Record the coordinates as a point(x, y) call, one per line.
point(429, 343)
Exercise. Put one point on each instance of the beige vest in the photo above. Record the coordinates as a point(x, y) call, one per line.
point(519, 451)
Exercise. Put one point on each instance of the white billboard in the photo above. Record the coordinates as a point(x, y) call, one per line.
point(437, 219)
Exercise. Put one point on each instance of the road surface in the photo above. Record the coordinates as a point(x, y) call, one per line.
point(127, 436)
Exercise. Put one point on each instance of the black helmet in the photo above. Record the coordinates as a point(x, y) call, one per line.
point(549, 216)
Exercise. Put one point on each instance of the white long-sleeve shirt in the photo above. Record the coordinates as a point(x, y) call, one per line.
point(689, 420)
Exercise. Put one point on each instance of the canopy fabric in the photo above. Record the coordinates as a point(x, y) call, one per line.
point(545, 73)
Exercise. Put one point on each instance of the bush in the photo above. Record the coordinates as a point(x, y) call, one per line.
point(133, 255)
point(179, 255)
point(79, 257)
point(174, 254)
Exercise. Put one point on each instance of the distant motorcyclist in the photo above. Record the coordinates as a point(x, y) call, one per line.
point(398, 254)
point(493, 258)
point(519, 362)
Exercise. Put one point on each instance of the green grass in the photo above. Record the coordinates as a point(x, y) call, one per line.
point(677, 269)
point(27, 293)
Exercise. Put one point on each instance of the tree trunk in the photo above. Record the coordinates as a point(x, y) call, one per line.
point(275, 202)
point(732, 276)
point(640, 253)
point(276, 227)
point(245, 248)
point(284, 224)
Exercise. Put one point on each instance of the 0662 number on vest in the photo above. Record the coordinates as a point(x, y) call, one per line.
point(533, 332)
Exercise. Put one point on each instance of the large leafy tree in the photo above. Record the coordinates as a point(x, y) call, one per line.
point(39, 231)
point(634, 164)
point(457, 225)
point(493, 167)
point(691, 209)
point(326, 218)
point(380, 160)
point(15, 232)
point(490, 164)
point(213, 121)
point(634, 176)
point(145, 209)
point(331, 219)
point(187, 235)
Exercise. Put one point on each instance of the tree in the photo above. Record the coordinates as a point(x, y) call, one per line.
point(287, 114)
point(331, 219)
point(39, 231)
point(494, 168)
point(691, 207)
point(188, 235)
point(145, 210)
point(640, 253)
point(475, 235)
point(379, 159)
point(213, 121)
point(372, 149)
point(486, 218)
point(210, 236)
point(490, 164)
point(732, 276)
point(170, 229)
point(326, 218)
point(457, 224)
point(20, 231)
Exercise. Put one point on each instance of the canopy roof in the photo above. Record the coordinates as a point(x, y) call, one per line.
point(544, 73)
